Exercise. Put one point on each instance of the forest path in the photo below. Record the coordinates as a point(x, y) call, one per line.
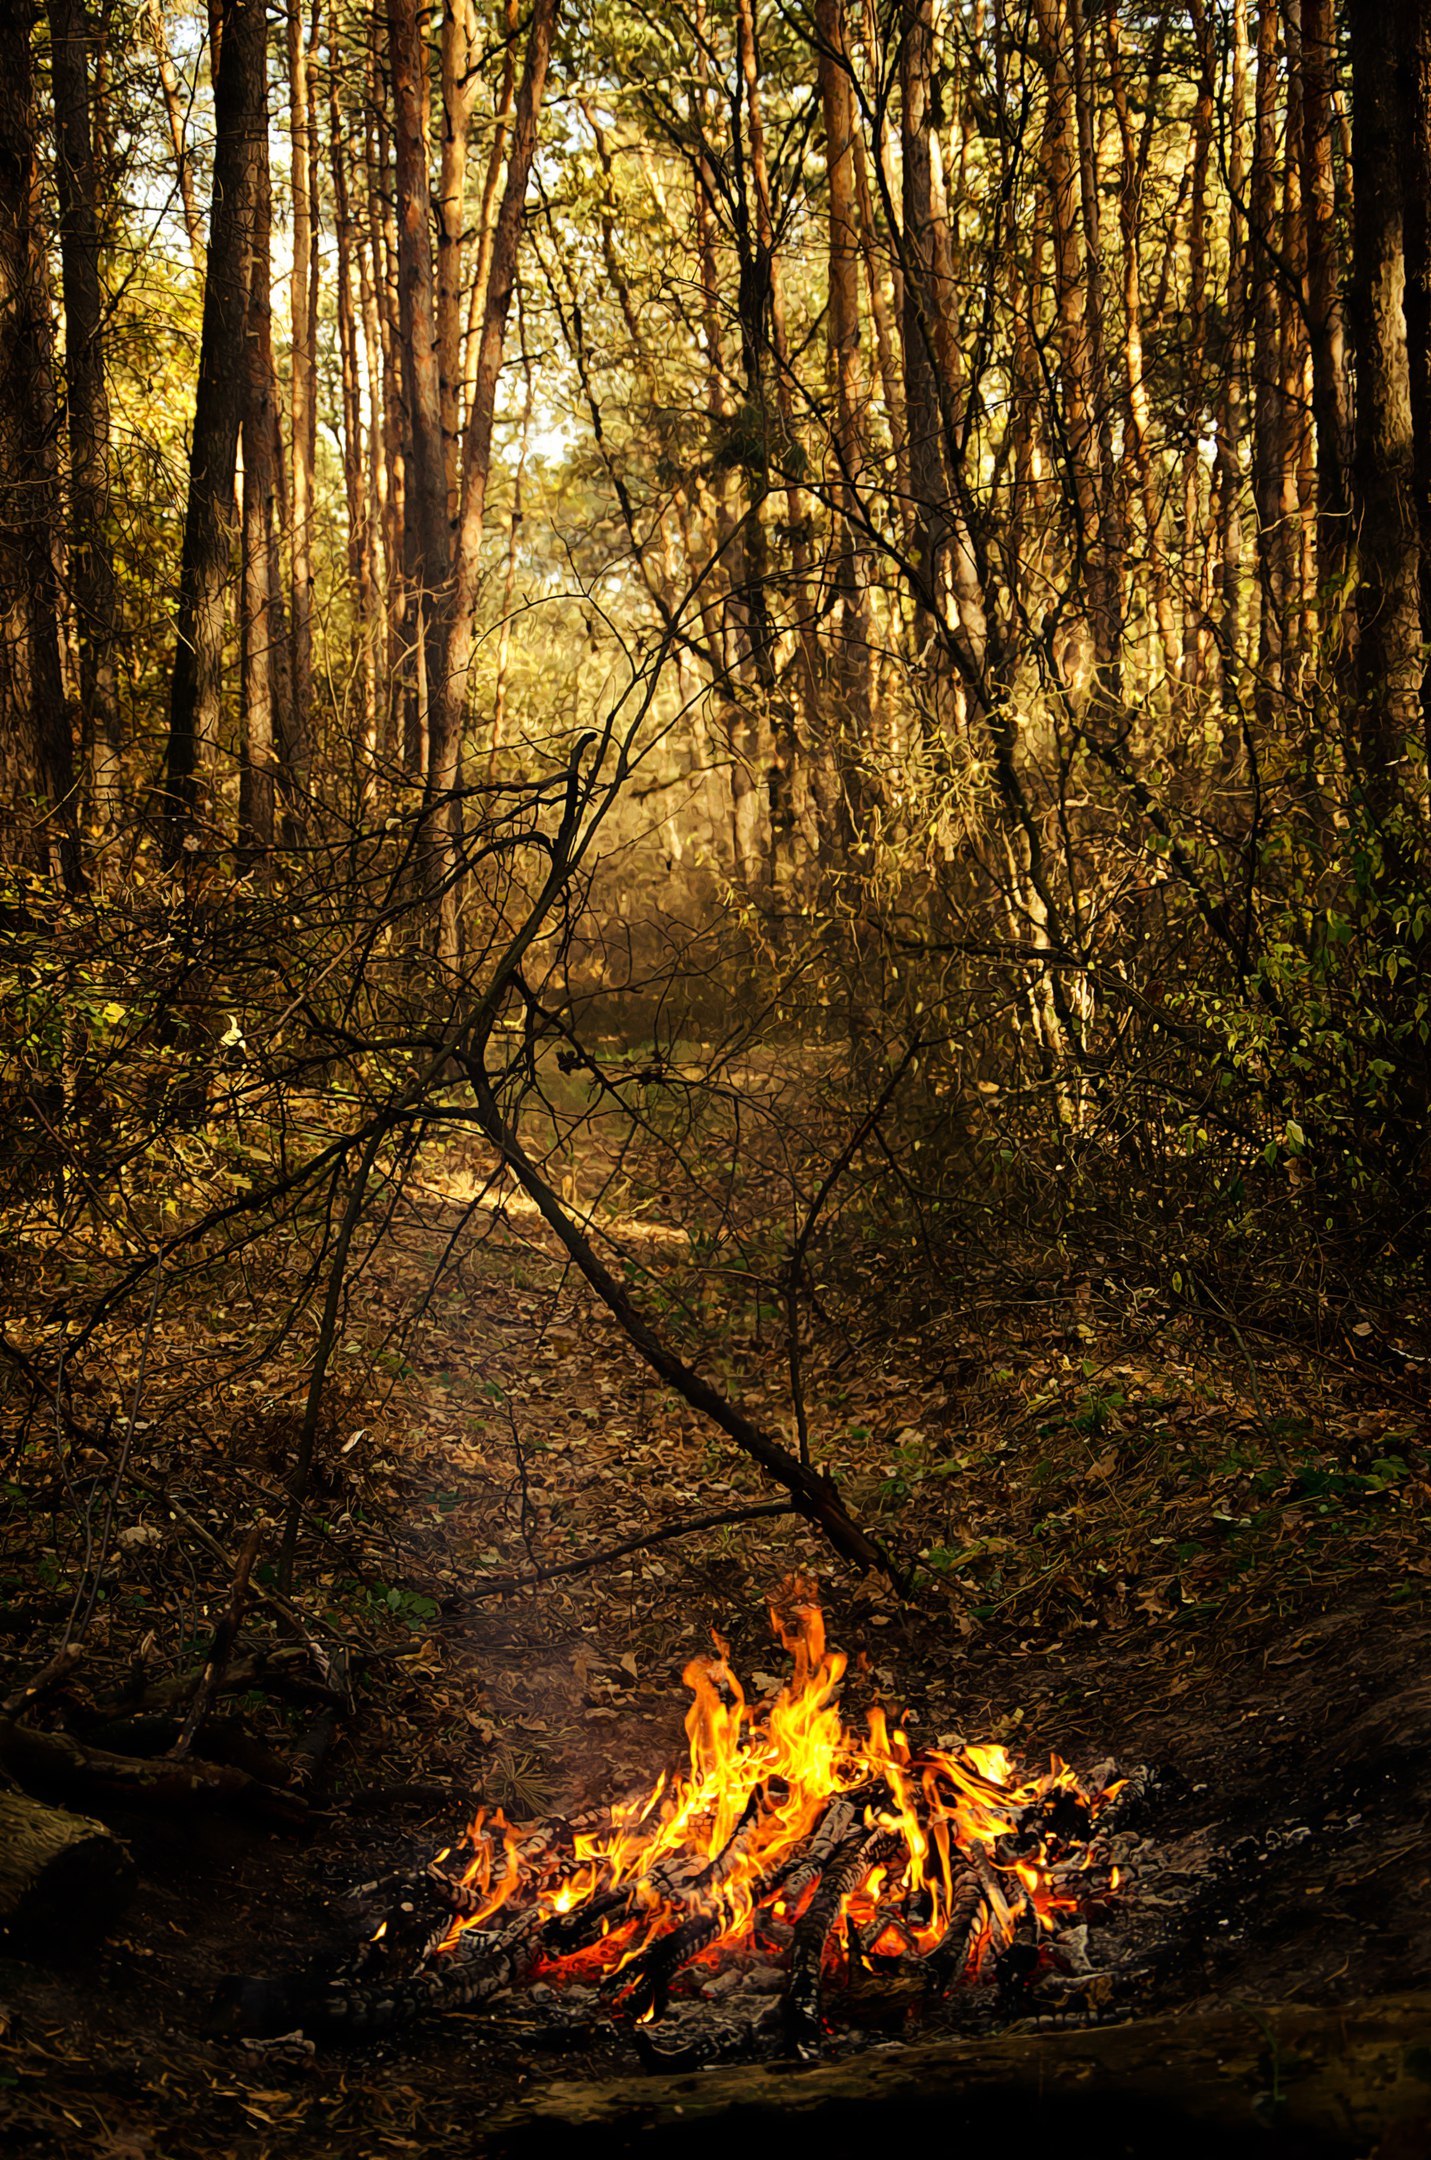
point(518, 1428)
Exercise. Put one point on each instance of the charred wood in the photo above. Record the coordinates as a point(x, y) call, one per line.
point(801, 2007)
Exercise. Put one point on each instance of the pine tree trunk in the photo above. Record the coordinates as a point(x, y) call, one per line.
point(457, 614)
point(205, 566)
point(1331, 399)
point(428, 542)
point(87, 400)
point(257, 791)
point(355, 490)
point(303, 402)
point(847, 444)
point(459, 82)
point(1418, 313)
point(37, 784)
point(1388, 675)
point(1267, 428)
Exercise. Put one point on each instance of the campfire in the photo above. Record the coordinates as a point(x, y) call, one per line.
point(795, 1873)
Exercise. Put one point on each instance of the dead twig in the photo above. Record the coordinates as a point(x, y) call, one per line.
point(499, 1585)
point(216, 1663)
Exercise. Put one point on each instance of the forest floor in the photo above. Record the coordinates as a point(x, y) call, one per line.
point(1138, 1543)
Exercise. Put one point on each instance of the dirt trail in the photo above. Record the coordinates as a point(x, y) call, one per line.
point(1300, 1743)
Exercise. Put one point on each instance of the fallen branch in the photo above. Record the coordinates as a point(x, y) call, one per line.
point(262, 1669)
point(499, 1585)
point(217, 1660)
point(51, 1675)
point(813, 1493)
point(56, 1761)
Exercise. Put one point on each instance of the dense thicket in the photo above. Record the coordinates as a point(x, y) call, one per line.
point(744, 605)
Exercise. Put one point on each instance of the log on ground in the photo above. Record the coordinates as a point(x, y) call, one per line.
point(61, 1875)
point(1287, 2082)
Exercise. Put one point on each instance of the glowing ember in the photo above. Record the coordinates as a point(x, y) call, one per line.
point(791, 1836)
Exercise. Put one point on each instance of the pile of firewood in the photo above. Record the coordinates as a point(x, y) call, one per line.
point(705, 1959)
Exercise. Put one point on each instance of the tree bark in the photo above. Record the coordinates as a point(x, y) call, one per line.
point(61, 1875)
point(1073, 294)
point(37, 781)
point(205, 566)
point(425, 480)
point(87, 401)
point(927, 487)
point(356, 489)
point(1267, 396)
point(1331, 394)
point(457, 617)
point(257, 606)
point(303, 401)
point(847, 439)
point(1417, 304)
point(1388, 673)
point(459, 84)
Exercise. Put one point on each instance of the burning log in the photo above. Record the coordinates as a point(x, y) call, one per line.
point(703, 2033)
point(800, 2008)
point(569, 1932)
point(478, 1966)
point(947, 1961)
point(651, 1975)
point(832, 1832)
point(831, 1828)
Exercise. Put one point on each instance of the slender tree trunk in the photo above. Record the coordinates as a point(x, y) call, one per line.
point(458, 614)
point(388, 435)
point(1110, 534)
point(1418, 315)
point(852, 674)
point(1228, 469)
point(486, 215)
point(1389, 664)
point(205, 565)
point(174, 110)
point(767, 299)
point(1139, 414)
point(303, 403)
point(37, 784)
point(1297, 517)
point(509, 574)
point(1063, 172)
point(1197, 593)
point(257, 777)
point(1268, 430)
point(1331, 394)
point(923, 430)
point(426, 481)
point(459, 84)
point(881, 317)
point(87, 399)
point(355, 492)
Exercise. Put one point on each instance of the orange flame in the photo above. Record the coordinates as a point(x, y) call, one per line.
point(796, 1754)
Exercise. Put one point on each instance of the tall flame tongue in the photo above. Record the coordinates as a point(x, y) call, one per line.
point(727, 1837)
